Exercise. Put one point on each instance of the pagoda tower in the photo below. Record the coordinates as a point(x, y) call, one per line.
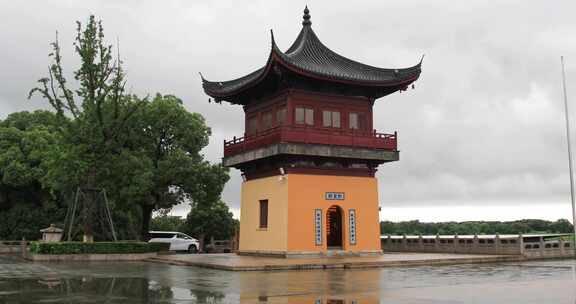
point(309, 152)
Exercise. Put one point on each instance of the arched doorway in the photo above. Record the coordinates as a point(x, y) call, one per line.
point(334, 227)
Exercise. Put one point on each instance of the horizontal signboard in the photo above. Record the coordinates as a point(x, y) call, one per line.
point(334, 196)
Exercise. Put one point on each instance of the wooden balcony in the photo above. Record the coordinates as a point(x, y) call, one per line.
point(309, 135)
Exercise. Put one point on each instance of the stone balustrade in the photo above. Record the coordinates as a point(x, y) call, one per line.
point(12, 247)
point(531, 246)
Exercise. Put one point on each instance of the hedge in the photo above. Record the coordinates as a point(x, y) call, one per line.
point(95, 248)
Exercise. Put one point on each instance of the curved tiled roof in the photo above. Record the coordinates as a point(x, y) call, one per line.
point(309, 54)
point(225, 88)
point(310, 57)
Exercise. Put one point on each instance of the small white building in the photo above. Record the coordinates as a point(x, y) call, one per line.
point(51, 234)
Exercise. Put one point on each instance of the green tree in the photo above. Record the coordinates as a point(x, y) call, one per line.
point(29, 144)
point(99, 109)
point(561, 226)
point(165, 222)
point(147, 155)
point(210, 221)
point(477, 227)
point(165, 157)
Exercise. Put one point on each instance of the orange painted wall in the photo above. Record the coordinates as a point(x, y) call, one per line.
point(292, 202)
point(273, 238)
point(307, 193)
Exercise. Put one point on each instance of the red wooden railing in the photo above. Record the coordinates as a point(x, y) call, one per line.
point(300, 134)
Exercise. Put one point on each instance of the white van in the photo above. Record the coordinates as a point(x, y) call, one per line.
point(178, 241)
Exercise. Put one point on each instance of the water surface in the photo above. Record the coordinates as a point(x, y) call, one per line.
point(137, 282)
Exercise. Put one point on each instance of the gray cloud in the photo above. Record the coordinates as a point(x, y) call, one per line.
point(484, 123)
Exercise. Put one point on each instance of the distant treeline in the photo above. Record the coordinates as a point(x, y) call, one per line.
point(476, 227)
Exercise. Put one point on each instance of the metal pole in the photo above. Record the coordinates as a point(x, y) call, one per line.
point(109, 215)
point(73, 214)
point(569, 149)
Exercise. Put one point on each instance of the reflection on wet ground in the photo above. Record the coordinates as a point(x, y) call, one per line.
point(530, 282)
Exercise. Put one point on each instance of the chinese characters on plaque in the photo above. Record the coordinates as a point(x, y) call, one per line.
point(318, 226)
point(334, 196)
point(352, 218)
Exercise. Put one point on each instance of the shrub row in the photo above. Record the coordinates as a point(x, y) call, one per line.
point(95, 248)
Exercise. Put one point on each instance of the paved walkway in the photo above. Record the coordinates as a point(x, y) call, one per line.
point(230, 261)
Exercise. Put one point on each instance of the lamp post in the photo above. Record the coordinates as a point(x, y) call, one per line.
point(569, 148)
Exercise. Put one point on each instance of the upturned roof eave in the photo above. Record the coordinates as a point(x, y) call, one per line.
point(276, 56)
point(249, 84)
point(403, 77)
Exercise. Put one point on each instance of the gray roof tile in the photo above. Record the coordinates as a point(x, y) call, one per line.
point(310, 57)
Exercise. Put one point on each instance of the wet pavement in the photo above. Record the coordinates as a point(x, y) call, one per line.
point(231, 261)
point(139, 282)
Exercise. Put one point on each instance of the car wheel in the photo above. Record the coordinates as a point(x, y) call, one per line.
point(192, 249)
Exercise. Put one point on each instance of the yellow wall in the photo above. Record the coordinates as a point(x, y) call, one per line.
point(307, 192)
point(274, 238)
point(291, 205)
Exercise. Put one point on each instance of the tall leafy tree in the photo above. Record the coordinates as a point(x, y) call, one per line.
point(28, 146)
point(167, 155)
point(147, 155)
point(97, 104)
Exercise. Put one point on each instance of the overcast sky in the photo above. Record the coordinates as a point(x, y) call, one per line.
point(481, 136)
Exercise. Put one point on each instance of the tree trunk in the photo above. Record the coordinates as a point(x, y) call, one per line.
point(201, 242)
point(146, 218)
point(89, 207)
point(4, 198)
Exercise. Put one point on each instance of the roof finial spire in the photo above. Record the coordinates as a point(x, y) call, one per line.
point(272, 41)
point(306, 17)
